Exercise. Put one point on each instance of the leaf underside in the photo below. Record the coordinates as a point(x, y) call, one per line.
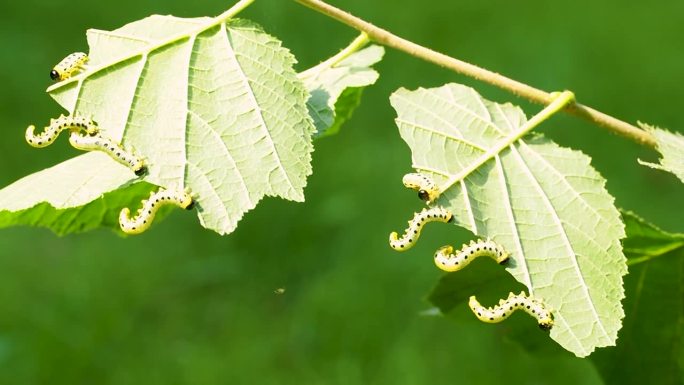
point(671, 147)
point(545, 204)
point(215, 108)
point(218, 111)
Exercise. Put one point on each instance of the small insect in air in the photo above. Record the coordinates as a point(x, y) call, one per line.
point(279, 291)
point(145, 215)
point(68, 66)
point(411, 234)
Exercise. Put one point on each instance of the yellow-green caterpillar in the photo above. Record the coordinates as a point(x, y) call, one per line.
point(426, 187)
point(56, 126)
point(145, 215)
point(70, 64)
point(411, 234)
point(110, 147)
point(506, 307)
point(446, 260)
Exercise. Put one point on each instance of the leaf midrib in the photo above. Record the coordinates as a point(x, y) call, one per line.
point(513, 136)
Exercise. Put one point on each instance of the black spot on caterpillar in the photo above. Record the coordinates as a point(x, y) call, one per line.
point(411, 234)
point(108, 146)
point(56, 126)
point(426, 187)
point(446, 260)
point(70, 64)
point(145, 215)
point(506, 307)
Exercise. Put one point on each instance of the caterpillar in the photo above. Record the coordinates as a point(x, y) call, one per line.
point(446, 260)
point(506, 307)
point(411, 234)
point(56, 126)
point(108, 146)
point(70, 64)
point(145, 215)
point(426, 187)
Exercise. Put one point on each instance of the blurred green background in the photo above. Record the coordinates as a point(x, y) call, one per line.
point(181, 305)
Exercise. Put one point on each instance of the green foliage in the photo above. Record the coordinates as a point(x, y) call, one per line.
point(214, 107)
point(336, 86)
point(671, 146)
point(227, 166)
point(94, 298)
point(651, 343)
point(545, 204)
point(92, 178)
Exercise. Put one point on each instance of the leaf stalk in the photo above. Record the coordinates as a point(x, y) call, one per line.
point(361, 41)
point(234, 10)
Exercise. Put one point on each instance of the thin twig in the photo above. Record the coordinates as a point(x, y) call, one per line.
point(535, 95)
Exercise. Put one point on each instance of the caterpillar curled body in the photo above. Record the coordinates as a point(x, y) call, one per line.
point(145, 215)
point(70, 64)
point(110, 147)
point(411, 234)
point(446, 260)
point(507, 306)
point(56, 126)
point(426, 187)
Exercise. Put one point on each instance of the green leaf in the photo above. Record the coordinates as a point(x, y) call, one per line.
point(92, 178)
point(336, 87)
point(671, 146)
point(651, 344)
point(545, 204)
point(95, 184)
point(213, 105)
